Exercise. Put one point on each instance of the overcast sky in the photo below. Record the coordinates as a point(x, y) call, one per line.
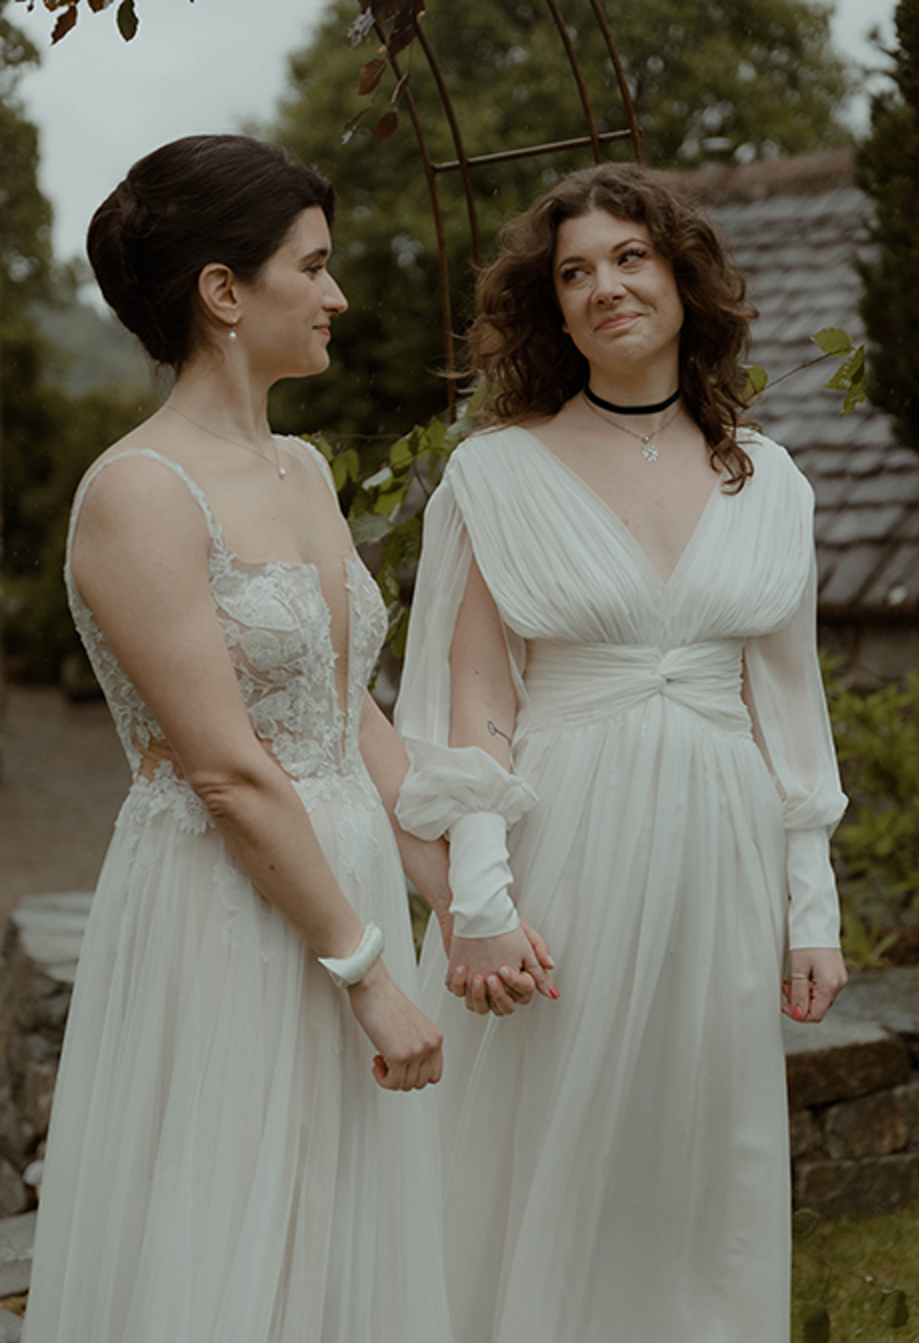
point(101, 103)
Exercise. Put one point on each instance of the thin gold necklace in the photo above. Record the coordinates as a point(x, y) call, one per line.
point(281, 470)
point(648, 449)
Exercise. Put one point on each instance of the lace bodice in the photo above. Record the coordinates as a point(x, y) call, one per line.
point(278, 629)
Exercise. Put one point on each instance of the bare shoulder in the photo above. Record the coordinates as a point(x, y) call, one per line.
point(536, 424)
point(311, 458)
point(133, 447)
point(555, 431)
point(304, 448)
point(135, 496)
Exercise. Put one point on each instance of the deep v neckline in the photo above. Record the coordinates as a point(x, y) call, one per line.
point(620, 528)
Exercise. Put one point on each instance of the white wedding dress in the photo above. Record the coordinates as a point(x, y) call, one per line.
point(616, 1162)
point(221, 1167)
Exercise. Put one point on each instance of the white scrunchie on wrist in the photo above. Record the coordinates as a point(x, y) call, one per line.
point(347, 970)
point(480, 875)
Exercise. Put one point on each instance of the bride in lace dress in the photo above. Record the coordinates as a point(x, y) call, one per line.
point(227, 1161)
point(612, 700)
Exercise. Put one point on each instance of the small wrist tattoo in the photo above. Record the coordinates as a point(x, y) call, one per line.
point(496, 732)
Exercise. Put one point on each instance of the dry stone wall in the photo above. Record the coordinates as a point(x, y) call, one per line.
point(853, 1084)
point(39, 959)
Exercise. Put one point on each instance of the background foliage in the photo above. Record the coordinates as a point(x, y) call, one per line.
point(888, 170)
point(877, 845)
point(48, 434)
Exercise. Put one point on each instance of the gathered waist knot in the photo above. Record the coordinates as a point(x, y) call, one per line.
point(571, 685)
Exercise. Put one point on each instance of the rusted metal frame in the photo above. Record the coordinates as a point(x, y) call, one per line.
point(625, 95)
point(578, 77)
point(431, 178)
point(531, 151)
point(462, 158)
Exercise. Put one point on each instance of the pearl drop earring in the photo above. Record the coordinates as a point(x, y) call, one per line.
point(231, 334)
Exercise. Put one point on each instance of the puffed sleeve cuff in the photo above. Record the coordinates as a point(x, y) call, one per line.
point(445, 783)
point(480, 877)
point(813, 914)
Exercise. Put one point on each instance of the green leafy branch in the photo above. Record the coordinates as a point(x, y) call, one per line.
point(850, 377)
point(384, 507)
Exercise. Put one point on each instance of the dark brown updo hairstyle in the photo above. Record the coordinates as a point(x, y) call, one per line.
point(531, 367)
point(226, 199)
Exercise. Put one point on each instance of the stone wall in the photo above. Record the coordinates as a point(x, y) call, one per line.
point(39, 959)
point(853, 1085)
point(853, 1080)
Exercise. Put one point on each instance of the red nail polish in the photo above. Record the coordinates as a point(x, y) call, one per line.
point(554, 991)
point(799, 1013)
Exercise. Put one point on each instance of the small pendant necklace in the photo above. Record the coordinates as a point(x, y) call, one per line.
point(281, 470)
point(648, 449)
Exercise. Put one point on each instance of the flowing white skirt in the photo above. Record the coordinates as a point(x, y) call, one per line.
point(616, 1161)
point(221, 1167)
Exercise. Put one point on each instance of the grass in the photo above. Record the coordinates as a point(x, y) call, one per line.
point(831, 1266)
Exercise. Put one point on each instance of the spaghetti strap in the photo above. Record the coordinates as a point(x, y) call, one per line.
point(194, 489)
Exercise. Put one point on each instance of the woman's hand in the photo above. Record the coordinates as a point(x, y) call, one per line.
point(409, 1044)
point(496, 974)
point(817, 975)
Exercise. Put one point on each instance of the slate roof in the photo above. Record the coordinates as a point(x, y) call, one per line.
point(797, 226)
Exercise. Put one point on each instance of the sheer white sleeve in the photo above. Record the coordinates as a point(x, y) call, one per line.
point(444, 782)
point(784, 692)
point(459, 791)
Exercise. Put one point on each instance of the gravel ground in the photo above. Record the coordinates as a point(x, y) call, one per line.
point(63, 777)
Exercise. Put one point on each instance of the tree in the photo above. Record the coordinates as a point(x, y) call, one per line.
point(25, 223)
point(888, 169)
point(47, 438)
point(737, 78)
point(25, 215)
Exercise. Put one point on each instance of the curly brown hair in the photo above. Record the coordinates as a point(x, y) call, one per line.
point(531, 367)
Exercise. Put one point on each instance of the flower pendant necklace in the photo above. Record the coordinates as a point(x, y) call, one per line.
point(648, 449)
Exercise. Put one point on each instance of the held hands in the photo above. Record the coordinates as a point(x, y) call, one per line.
point(409, 1044)
point(496, 974)
point(816, 976)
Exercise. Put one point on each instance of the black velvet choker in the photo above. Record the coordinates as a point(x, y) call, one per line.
point(630, 410)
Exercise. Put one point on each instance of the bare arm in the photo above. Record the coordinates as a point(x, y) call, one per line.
point(140, 561)
point(425, 862)
point(480, 675)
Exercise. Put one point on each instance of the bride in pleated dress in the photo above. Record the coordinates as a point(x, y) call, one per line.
point(613, 708)
point(230, 1160)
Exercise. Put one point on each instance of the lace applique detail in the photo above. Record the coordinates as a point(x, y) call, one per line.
point(367, 631)
point(252, 920)
point(360, 851)
point(277, 625)
point(166, 792)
